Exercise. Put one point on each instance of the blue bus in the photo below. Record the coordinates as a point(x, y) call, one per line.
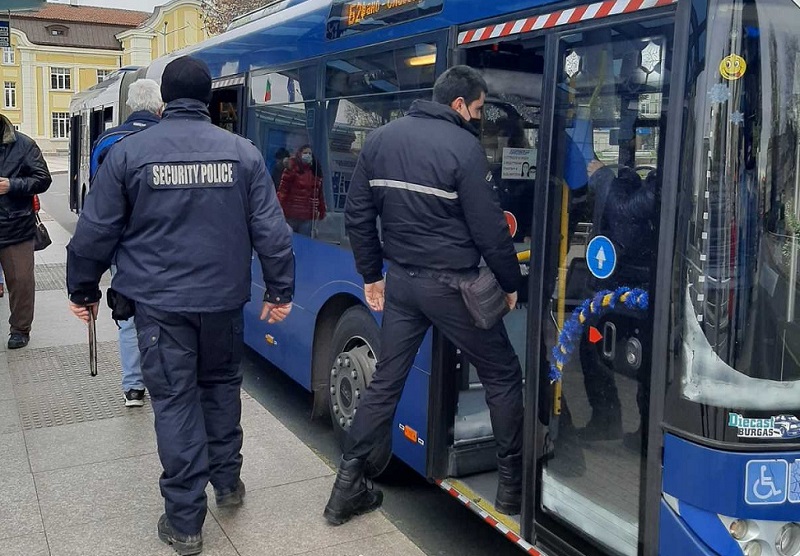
point(647, 153)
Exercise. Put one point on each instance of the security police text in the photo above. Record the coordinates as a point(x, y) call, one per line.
point(179, 176)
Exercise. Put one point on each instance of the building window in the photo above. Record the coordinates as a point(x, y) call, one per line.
point(102, 75)
point(60, 79)
point(8, 55)
point(10, 94)
point(57, 30)
point(60, 125)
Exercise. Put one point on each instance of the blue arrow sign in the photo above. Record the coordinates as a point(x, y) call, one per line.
point(601, 257)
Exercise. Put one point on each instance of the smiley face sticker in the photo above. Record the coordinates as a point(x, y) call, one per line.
point(732, 67)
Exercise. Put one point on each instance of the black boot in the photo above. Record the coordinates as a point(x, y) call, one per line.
point(350, 496)
point(509, 485)
point(184, 545)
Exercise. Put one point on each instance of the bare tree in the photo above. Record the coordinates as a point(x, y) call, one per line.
point(219, 13)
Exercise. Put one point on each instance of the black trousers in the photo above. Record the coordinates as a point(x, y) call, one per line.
point(190, 363)
point(415, 300)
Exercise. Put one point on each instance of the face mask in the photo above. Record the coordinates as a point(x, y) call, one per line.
point(307, 158)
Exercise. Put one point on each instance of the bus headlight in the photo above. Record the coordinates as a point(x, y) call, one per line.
point(753, 548)
point(788, 541)
point(739, 529)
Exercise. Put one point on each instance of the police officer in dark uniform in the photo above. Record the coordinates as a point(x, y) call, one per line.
point(182, 205)
point(427, 177)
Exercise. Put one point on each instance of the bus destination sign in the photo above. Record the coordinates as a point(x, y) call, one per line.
point(349, 16)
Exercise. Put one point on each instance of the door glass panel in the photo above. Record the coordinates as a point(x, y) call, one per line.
point(509, 133)
point(605, 182)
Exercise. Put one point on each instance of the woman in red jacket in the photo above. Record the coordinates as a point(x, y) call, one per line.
point(300, 192)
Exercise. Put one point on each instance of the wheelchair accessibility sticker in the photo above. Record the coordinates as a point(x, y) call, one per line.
point(766, 482)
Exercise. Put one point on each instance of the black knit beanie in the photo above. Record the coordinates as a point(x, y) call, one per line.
point(186, 77)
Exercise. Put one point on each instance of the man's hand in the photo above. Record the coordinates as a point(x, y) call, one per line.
point(82, 311)
point(374, 293)
point(5, 185)
point(511, 300)
point(275, 313)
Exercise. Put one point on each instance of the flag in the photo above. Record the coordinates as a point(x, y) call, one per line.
point(268, 92)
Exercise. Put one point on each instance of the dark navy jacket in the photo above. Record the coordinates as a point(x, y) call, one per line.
point(427, 177)
point(182, 205)
point(137, 121)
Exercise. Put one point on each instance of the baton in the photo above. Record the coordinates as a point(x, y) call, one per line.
point(92, 345)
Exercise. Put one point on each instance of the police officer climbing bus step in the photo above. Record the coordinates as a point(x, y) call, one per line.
point(440, 215)
point(182, 247)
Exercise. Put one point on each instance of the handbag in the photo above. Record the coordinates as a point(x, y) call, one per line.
point(41, 239)
point(484, 298)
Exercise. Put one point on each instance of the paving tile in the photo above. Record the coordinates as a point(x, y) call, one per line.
point(55, 325)
point(256, 419)
point(19, 511)
point(9, 417)
point(6, 386)
point(91, 442)
point(388, 544)
point(26, 545)
point(13, 454)
point(100, 491)
point(287, 520)
point(277, 459)
point(125, 536)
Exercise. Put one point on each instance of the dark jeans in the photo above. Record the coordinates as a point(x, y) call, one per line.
point(415, 299)
point(190, 363)
point(17, 263)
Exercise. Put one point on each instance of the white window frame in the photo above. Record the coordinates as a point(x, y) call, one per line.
point(9, 94)
point(60, 125)
point(102, 74)
point(9, 56)
point(63, 79)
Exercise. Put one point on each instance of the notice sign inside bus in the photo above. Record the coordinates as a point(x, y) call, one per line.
point(349, 16)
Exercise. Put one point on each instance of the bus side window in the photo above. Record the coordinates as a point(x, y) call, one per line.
point(281, 117)
point(364, 92)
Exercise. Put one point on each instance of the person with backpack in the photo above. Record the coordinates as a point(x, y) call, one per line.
point(144, 99)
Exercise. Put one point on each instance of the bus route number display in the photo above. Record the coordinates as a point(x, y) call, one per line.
point(349, 16)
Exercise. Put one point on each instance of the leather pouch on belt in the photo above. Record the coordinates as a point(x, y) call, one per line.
point(484, 298)
point(121, 307)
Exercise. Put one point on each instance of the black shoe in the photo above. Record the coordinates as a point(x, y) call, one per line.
point(185, 545)
point(17, 340)
point(604, 425)
point(350, 495)
point(231, 498)
point(509, 485)
point(134, 398)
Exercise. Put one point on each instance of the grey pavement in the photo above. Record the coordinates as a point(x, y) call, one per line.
point(57, 163)
point(80, 471)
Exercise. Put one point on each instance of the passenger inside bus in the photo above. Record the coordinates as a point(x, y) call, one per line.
point(300, 191)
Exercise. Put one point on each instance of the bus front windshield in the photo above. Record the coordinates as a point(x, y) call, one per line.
point(736, 302)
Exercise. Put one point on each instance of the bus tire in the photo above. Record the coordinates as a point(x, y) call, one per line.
point(354, 351)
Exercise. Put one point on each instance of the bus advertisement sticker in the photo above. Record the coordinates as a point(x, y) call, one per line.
point(732, 67)
point(766, 482)
point(794, 482)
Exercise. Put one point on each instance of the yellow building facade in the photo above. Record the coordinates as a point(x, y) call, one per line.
point(62, 49)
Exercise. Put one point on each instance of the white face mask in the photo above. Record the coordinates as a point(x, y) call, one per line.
point(307, 158)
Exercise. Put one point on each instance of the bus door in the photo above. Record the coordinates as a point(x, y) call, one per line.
point(75, 139)
point(595, 244)
point(227, 97)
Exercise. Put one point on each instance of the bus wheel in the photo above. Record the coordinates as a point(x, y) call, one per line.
point(354, 352)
